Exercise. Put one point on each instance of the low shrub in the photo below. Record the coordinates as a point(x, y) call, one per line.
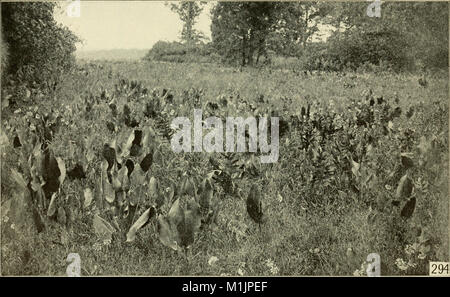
point(181, 53)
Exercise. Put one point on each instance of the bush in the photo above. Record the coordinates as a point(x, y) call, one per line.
point(39, 48)
point(181, 53)
point(164, 48)
point(317, 56)
point(357, 49)
point(368, 67)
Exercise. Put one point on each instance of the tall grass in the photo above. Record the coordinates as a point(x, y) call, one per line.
point(301, 237)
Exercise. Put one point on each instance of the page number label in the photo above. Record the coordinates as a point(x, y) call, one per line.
point(439, 269)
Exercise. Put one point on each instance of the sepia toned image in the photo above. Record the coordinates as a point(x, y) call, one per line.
point(222, 138)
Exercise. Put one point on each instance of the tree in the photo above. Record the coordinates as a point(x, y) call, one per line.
point(296, 23)
point(426, 32)
point(248, 30)
point(239, 30)
point(406, 34)
point(188, 11)
point(38, 46)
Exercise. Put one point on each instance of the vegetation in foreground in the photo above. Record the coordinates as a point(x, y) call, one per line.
point(87, 167)
point(362, 169)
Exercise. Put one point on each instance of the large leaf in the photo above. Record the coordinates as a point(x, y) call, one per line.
point(4, 141)
point(355, 168)
point(88, 149)
point(255, 205)
point(168, 235)
point(146, 162)
point(170, 193)
point(149, 137)
point(206, 194)
point(38, 159)
point(157, 157)
point(18, 178)
point(102, 228)
point(122, 200)
point(19, 209)
point(52, 173)
point(123, 178)
point(99, 197)
point(52, 206)
point(108, 192)
point(88, 197)
point(109, 153)
point(104, 167)
point(187, 187)
point(179, 227)
point(137, 177)
point(39, 192)
point(137, 184)
point(61, 216)
point(116, 181)
point(168, 226)
point(107, 189)
point(118, 149)
point(404, 188)
point(208, 202)
point(406, 159)
point(127, 145)
point(408, 208)
point(154, 194)
point(153, 187)
point(143, 220)
point(424, 146)
point(192, 222)
point(62, 170)
point(176, 215)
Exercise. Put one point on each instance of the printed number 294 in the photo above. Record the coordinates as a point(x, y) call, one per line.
point(439, 268)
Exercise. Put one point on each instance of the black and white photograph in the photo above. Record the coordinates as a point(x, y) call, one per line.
point(225, 139)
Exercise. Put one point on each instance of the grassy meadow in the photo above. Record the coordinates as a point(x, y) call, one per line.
point(334, 196)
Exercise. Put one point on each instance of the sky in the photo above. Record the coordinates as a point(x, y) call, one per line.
point(126, 24)
point(104, 25)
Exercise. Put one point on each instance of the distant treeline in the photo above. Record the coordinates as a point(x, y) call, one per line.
point(112, 54)
point(407, 36)
point(183, 52)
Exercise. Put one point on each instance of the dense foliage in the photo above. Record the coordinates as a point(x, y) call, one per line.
point(239, 30)
point(407, 36)
point(361, 169)
point(188, 12)
point(40, 49)
point(182, 52)
point(363, 154)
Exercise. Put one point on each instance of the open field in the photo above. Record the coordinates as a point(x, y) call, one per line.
point(362, 168)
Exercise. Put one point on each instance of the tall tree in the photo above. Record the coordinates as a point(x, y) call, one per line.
point(296, 23)
point(239, 29)
point(39, 47)
point(188, 11)
point(410, 31)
